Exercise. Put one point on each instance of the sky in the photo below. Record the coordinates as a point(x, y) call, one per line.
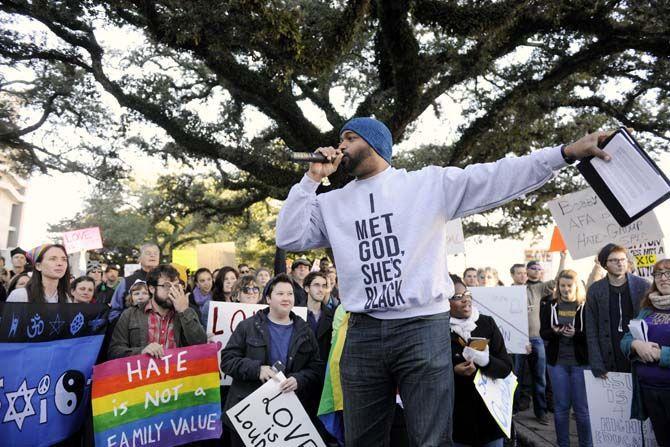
point(41, 209)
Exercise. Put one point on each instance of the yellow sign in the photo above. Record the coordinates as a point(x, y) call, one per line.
point(187, 257)
point(645, 260)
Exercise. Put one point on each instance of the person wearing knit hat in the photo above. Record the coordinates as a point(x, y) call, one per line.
point(19, 261)
point(50, 282)
point(378, 226)
point(375, 133)
point(604, 253)
point(106, 289)
point(94, 270)
point(610, 305)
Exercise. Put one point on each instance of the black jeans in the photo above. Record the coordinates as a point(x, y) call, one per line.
point(410, 355)
point(656, 403)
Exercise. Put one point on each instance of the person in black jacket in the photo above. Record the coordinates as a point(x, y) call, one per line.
point(319, 315)
point(271, 335)
point(562, 325)
point(473, 424)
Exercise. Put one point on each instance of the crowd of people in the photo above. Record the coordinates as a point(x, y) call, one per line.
point(574, 325)
point(413, 333)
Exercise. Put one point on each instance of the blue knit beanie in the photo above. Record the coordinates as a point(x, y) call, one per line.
point(375, 133)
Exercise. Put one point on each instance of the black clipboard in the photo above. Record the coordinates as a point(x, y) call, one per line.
point(587, 170)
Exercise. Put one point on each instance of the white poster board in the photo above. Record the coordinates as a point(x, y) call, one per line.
point(587, 226)
point(82, 240)
point(498, 395)
point(223, 318)
point(508, 307)
point(129, 269)
point(455, 238)
point(268, 417)
point(609, 410)
point(543, 256)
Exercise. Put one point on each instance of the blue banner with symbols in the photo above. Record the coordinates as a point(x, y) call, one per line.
point(47, 354)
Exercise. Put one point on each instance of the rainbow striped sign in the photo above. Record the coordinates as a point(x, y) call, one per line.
point(173, 400)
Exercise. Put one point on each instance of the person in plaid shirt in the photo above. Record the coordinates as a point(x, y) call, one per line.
point(165, 321)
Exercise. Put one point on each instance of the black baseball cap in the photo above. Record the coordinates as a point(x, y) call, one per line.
point(300, 261)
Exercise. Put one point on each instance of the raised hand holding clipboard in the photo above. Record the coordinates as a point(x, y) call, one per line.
point(630, 184)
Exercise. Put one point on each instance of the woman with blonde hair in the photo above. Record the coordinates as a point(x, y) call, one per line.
point(562, 326)
point(488, 277)
point(651, 357)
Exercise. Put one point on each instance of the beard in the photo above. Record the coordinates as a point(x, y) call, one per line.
point(164, 303)
point(353, 162)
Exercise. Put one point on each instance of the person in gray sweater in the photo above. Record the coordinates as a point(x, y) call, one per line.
point(384, 228)
point(610, 305)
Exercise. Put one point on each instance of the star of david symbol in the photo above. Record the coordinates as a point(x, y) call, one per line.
point(19, 416)
point(56, 325)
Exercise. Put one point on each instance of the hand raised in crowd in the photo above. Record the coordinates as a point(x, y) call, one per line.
point(648, 351)
point(465, 369)
point(568, 331)
point(587, 146)
point(178, 298)
point(154, 350)
point(318, 171)
point(288, 385)
point(266, 373)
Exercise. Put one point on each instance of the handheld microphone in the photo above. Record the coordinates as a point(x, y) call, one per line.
point(307, 157)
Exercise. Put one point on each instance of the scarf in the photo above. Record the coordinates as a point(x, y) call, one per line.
point(200, 298)
point(659, 301)
point(465, 326)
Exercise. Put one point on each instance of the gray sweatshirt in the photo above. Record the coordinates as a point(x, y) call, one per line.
point(388, 232)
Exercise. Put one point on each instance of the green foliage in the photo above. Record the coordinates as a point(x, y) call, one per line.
point(136, 214)
point(527, 74)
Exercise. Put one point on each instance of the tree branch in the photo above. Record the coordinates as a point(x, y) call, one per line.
point(48, 108)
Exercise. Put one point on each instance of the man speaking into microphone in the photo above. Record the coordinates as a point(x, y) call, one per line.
point(384, 228)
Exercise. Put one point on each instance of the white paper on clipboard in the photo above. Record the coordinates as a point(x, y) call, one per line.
point(633, 181)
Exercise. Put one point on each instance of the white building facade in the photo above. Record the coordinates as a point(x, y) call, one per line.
point(12, 200)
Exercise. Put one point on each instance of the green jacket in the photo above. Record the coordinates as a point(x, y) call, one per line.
point(131, 333)
point(636, 407)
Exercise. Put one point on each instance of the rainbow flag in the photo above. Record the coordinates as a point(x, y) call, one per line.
point(332, 402)
point(169, 401)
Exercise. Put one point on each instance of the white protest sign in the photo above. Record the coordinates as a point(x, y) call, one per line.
point(646, 255)
point(82, 240)
point(587, 226)
point(223, 318)
point(609, 411)
point(508, 307)
point(542, 255)
point(129, 269)
point(270, 418)
point(498, 395)
point(455, 239)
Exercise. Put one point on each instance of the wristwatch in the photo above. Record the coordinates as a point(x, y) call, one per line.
point(568, 160)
